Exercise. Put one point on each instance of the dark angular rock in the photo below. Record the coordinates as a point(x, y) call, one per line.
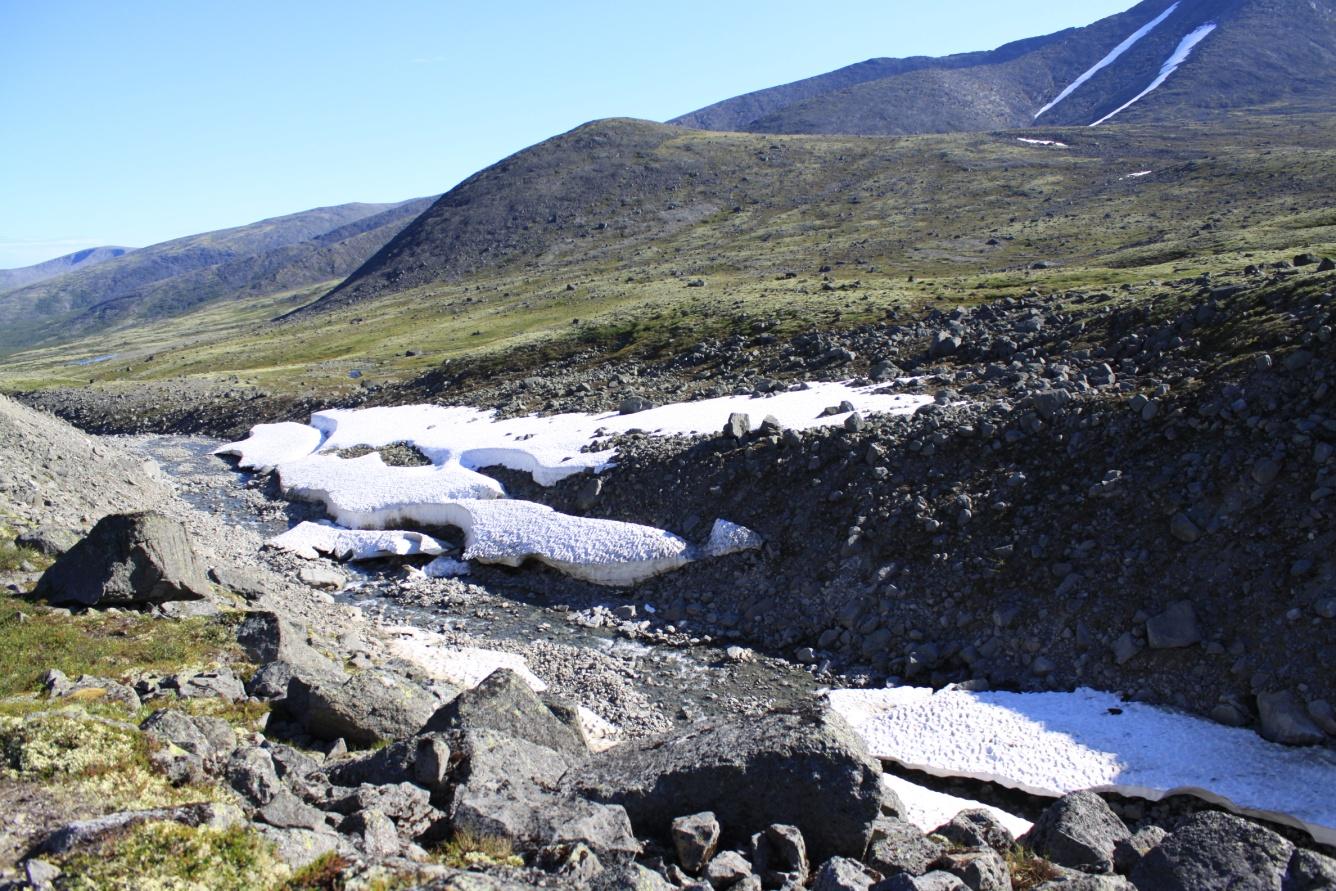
point(287, 811)
point(979, 870)
point(1174, 628)
point(977, 828)
point(128, 559)
point(370, 707)
point(49, 540)
point(899, 847)
point(1285, 720)
point(1215, 850)
point(843, 874)
point(1310, 871)
point(727, 869)
point(1079, 831)
point(1128, 852)
point(937, 880)
point(804, 768)
point(695, 838)
point(504, 702)
point(251, 773)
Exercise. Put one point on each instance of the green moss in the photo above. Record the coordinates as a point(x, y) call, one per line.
point(172, 857)
point(34, 639)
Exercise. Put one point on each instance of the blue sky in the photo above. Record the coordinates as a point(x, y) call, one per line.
point(136, 121)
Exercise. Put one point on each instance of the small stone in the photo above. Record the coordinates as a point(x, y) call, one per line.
point(696, 839)
point(727, 869)
point(322, 577)
point(1183, 529)
point(843, 874)
point(1174, 628)
point(1284, 719)
point(737, 426)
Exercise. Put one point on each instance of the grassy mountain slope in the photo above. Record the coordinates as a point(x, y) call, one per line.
point(12, 279)
point(1271, 53)
point(596, 239)
point(169, 278)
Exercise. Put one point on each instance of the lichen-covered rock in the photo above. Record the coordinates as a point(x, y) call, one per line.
point(127, 559)
point(370, 707)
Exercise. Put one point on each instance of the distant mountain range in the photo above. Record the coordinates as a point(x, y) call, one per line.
point(1161, 61)
point(10, 279)
point(176, 276)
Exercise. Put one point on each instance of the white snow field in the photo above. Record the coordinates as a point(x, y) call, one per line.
point(1110, 58)
point(365, 493)
point(928, 809)
point(1055, 743)
point(1050, 142)
point(309, 540)
point(1179, 56)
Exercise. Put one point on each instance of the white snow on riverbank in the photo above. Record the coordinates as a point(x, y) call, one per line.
point(1177, 58)
point(1055, 743)
point(1110, 58)
point(929, 809)
point(465, 667)
point(309, 540)
point(364, 493)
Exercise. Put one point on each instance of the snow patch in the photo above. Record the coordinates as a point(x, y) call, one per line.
point(465, 667)
point(1110, 58)
point(365, 493)
point(1055, 743)
point(1051, 142)
point(1137, 175)
point(929, 809)
point(1179, 56)
point(309, 540)
point(272, 444)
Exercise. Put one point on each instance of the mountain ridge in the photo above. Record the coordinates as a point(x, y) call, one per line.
point(22, 276)
point(268, 256)
point(1261, 52)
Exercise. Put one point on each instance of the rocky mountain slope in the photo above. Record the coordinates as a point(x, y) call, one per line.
point(11, 279)
point(1224, 54)
point(167, 279)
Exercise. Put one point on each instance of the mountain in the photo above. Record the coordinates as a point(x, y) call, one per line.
point(11, 279)
point(168, 279)
point(633, 201)
point(1161, 61)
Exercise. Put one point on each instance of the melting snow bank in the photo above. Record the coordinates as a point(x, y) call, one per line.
point(366, 494)
point(1179, 56)
point(1055, 743)
point(1110, 58)
point(309, 540)
point(1051, 142)
point(929, 809)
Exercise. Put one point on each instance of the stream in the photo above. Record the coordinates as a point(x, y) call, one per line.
point(610, 664)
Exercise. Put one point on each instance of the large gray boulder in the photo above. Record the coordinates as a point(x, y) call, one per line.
point(1215, 850)
point(127, 560)
point(1079, 831)
point(370, 707)
point(803, 768)
point(280, 648)
point(504, 702)
point(507, 787)
point(899, 847)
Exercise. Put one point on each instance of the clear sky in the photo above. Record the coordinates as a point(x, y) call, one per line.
point(135, 121)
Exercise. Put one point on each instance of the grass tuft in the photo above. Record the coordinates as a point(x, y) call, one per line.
point(172, 857)
point(469, 850)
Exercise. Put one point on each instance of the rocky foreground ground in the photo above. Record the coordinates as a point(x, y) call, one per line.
point(1130, 494)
